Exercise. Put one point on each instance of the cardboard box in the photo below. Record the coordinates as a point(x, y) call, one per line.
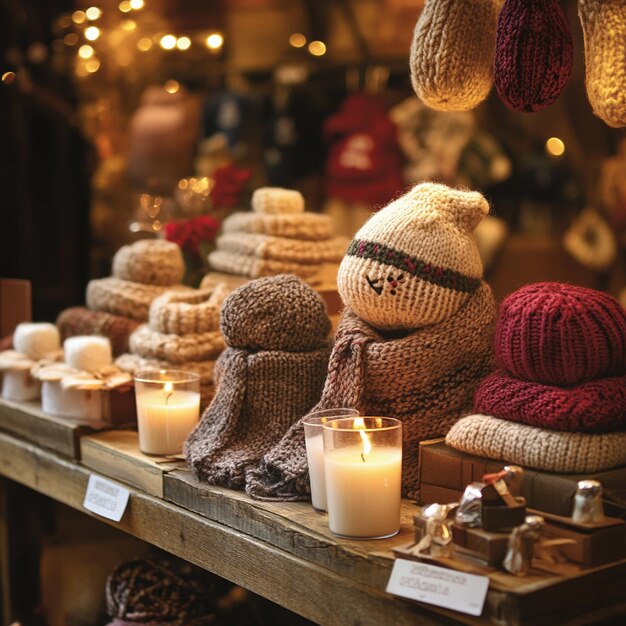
point(15, 304)
point(445, 472)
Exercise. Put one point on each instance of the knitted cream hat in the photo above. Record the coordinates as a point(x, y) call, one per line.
point(150, 261)
point(539, 448)
point(452, 53)
point(415, 262)
point(604, 30)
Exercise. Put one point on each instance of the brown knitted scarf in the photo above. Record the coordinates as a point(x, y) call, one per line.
point(259, 396)
point(426, 379)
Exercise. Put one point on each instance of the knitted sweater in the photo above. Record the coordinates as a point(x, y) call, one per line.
point(426, 379)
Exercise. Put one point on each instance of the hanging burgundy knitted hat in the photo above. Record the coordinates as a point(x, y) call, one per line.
point(533, 54)
point(562, 350)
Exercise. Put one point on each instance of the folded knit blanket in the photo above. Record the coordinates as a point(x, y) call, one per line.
point(308, 226)
point(254, 267)
point(426, 379)
point(283, 249)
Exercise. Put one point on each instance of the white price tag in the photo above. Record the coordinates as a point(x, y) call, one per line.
point(106, 498)
point(439, 586)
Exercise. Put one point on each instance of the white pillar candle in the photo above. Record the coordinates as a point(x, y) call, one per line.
point(168, 408)
point(363, 478)
point(315, 459)
point(20, 385)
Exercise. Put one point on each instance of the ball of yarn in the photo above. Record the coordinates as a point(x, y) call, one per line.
point(36, 340)
point(88, 353)
point(160, 590)
point(533, 53)
point(276, 313)
point(151, 262)
point(560, 334)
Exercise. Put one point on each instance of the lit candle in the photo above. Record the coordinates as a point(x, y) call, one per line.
point(315, 451)
point(168, 408)
point(363, 467)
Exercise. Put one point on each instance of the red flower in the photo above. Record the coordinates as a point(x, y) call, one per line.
point(229, 183)
point(189, 233)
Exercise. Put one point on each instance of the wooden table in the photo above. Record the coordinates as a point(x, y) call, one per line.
point(282, 551)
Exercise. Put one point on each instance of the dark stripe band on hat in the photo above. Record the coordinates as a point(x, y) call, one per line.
point(411, 265)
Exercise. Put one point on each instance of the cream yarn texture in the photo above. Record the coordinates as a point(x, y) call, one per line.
point(253, 267)
point(275, 200)
point(308, 226)
point(151, 262)
point(35, 340)
point(184, 313)
point(539, 448)
point(452, 53)
point(88, 352)
point(604, 31)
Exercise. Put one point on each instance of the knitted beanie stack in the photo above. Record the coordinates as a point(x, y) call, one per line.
point(604, 30)
point(533, 53)
point(278, 237)
point(182, 333)
point(415, 338)
point(141, 272)
point(558, 400)
point(452, 53)
point(270, 375)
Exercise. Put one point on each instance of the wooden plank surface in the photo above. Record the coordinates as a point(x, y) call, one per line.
point(291, 526)
point(116, 454)
point(27, 421)
point(314, 592)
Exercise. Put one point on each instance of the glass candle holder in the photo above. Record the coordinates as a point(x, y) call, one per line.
point(363, 467)
point(168, 408)
point(315, 451)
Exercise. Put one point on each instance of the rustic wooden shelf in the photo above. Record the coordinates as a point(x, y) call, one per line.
point(282, 551)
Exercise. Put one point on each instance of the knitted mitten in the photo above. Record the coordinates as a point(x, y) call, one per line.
point(533, 54)
point(452, 53)
point(604, 30)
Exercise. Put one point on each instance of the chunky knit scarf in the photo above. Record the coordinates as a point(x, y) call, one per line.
point(426, 379)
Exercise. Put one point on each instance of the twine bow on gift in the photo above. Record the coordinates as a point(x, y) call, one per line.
point(109, 377)
point(17, 361)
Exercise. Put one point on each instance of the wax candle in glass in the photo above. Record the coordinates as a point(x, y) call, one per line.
point(363, 466)
point(315, 451)
point(168, 407)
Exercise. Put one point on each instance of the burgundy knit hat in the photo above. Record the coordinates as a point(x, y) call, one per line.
point(533, 53)
point(562, 350)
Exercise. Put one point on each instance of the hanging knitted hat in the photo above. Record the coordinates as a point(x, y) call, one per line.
point(452, 53)
point(270, 375)
point(365, 162)
point(562, 350)
point(604, 30)
point(415, 262)
point(414, 268)
point(533, 53)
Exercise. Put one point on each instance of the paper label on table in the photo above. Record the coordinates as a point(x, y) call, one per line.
point(106, 498)
point(439, 586)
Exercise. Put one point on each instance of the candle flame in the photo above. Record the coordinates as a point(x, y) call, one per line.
point(168, 390)
point(359, 423)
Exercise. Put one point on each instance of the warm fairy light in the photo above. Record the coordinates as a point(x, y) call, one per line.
point(65, 21)
point(297, 40)
point(214, 41)
point(93, 13)
point(156, 225)
point(124, 6)
point(8, 77)
point(71, 39)
point(168, 42)
point(92, 33)
point(128, 25)
point(183, 43)
point(555, 147)
point(85, 52)
point(172, 86)
point(93, 65)
point(183, 183)
point(144, 44)
point(78, 17)
point(136, 4)
point(317, 48)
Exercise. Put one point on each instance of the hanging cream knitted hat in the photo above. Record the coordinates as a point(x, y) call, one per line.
point(415, 262)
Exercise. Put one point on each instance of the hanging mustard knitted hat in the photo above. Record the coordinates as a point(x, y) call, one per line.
point(415, 262)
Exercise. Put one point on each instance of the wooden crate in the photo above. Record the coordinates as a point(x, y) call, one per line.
point(116, 454)
point(27, 421)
